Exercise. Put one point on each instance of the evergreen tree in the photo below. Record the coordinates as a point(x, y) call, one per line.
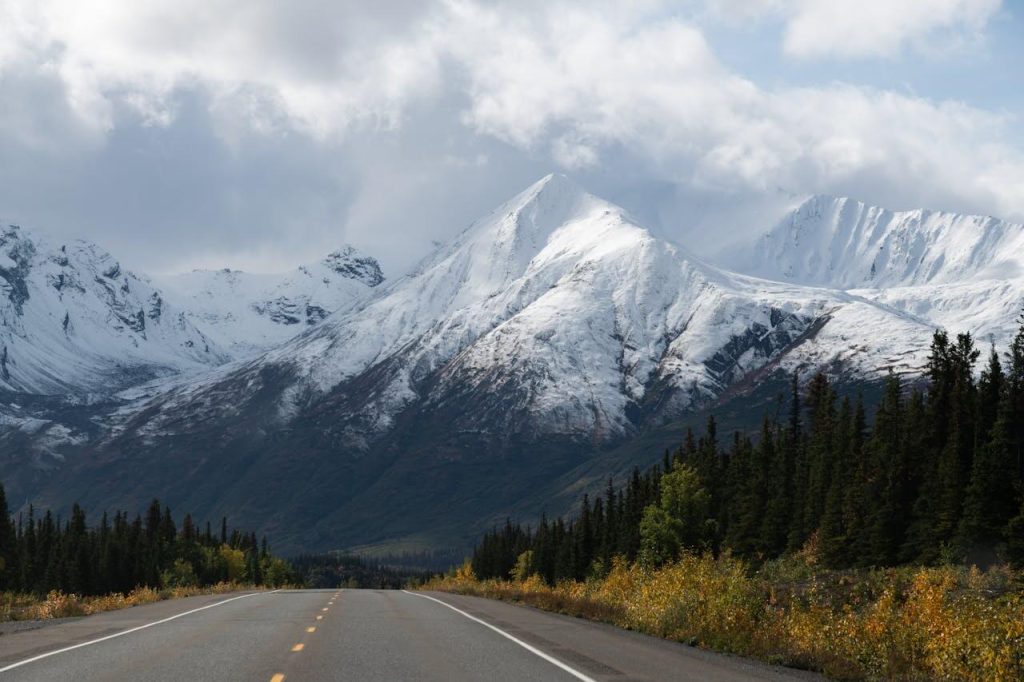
point(9, 569)
point(991, 498)
point(1015, 389)
point(819, 451)
point(44, 554)
point(833, 538)
point(795, 465)
point(746, 501)
point(955, 460)
point(889, 482)
point(775, 524)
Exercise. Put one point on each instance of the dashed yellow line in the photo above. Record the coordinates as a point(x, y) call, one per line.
point(319, 617)
point(277, 678)
point(324, 608)
point(298, 647)
point(311, 629)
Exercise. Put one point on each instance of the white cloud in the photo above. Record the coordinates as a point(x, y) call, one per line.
point(881, 28)
point(591, 86)
point(328, 65)
point(578, 83)
point(864, 28)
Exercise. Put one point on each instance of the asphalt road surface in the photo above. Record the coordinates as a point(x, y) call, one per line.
point(359, 635)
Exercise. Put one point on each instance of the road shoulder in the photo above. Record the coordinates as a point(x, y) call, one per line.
point(607, 652)
point(28, 642)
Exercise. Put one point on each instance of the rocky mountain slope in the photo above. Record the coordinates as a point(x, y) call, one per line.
point(74, 321)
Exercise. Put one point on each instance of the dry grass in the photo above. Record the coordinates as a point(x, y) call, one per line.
point(60, 605)
point(899, 624)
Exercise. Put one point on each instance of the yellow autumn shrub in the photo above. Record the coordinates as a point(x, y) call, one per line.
point(896, 624)
point(58, 604)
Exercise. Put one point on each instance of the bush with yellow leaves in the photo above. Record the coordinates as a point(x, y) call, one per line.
point(896, 624)
point(61, 605)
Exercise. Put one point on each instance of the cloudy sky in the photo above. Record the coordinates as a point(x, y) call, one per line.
point(264, 133)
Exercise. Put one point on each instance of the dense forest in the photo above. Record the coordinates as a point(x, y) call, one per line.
point(121, 553)
point(333, 570)
point(937, 477)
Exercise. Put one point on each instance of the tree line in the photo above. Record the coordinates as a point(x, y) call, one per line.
point(40, 554)
point(936, 477)
point(332, 570)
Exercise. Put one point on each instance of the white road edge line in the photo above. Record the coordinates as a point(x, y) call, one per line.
point(12, 666)
point(532, 649)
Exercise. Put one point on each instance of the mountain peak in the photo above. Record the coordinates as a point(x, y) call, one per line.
point(557, 185)
point(349, 262)
point(555, 182)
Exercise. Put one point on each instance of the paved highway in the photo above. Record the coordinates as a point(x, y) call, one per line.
point(359, 635)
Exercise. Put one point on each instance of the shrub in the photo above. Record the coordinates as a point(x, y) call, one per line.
point(899, 624)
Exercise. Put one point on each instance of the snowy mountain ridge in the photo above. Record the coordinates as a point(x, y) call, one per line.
point(958, 272)
point(72, 320)
point(551, 332)
point(556, 314)
point(247, 313)
point(845, 244)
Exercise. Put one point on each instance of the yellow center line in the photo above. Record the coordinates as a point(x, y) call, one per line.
point(310, 629)
point(299, 647)
point(277, 678)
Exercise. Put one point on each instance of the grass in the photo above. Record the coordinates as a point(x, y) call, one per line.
point(945, 623)
point(61, 605)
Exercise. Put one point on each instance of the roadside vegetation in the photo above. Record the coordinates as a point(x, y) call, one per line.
point(57, 604)
point(53, 568)
point(889, 550)
point(905, 623)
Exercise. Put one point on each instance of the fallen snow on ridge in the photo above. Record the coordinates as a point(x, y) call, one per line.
point(557, 312)
point(845, 244)
point(248, 313)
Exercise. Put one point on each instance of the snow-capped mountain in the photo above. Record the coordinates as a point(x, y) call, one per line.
point(74, 321)
point(959, 272)
point(246, 313)
point(553, 328)
point(555, 315)
point(844, 244)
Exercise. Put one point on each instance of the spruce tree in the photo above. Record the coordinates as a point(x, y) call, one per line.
point(795, 468)
point(991, 499)
point(819, 450)
point(778, 502)
point(1015, 396)
point(956, 458)
point(924, 538)
point(9, 570)
point(855, 504)
point(889, 485)
point(833, 537)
